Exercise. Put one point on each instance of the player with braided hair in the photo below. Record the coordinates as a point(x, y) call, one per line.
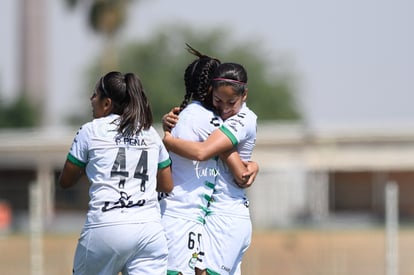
point(183, 210)
point(227, 227)
point(197, 79)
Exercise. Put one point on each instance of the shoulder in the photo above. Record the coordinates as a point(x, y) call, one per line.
point(241, 125)
point(153, 132)
point(85, 129)
point(244, 118)
point(196, 115)
point(194, 107)
point(151, 135)
point(247, 113)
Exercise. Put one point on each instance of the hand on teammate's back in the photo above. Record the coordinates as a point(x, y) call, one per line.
point(169, 120)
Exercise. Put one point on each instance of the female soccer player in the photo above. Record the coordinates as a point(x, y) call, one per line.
point(227, 223)
point(126, 164)
point(184, 209)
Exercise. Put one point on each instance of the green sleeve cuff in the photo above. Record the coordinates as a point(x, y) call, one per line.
point(164, 164)
point(75, 161)
point(229, 134)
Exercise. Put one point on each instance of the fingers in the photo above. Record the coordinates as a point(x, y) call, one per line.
point(175, 110)
point(250, 174)
point(167, 124)
point(170, 120)
point(248, 180)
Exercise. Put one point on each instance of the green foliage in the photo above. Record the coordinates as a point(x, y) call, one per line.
point(104, 16)
point(161, 60)
point(107, 16)
point(19, 114)
point(71, 3)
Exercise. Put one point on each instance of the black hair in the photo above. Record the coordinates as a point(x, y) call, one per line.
point(197, 78)
point(231, 74)
point(128, 100)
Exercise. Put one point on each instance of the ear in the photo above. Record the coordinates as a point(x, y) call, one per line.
point(107, 106)
point(210, 89)
point(245, 95)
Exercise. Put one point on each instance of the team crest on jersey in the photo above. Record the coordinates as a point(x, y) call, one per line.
point(215, 121)
point(246, 202)
point(194, 259)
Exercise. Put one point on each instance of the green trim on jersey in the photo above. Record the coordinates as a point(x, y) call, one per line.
point(173, 272)
point(211, 272)
point(75, 161)
point(207, 197)
point(210, 213)
point(205, 210)
point(229, 134)
point(209, 184)
point(202, 220)
point(164, 164)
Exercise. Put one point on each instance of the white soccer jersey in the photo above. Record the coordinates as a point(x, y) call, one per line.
point(228, 197)
point(193, 180)
point(122, 172)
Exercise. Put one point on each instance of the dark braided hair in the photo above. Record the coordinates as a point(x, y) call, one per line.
point(197, 79)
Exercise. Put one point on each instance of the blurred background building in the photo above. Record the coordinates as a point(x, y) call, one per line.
point(331, 82)
point(343, 67)
point(306, 178)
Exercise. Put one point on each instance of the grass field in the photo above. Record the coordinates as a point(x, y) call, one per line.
point(285, 252)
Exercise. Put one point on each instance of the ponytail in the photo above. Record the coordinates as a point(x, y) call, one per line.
point(128, 101)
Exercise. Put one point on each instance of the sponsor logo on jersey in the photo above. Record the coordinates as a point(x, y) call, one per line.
point(205, 172)
point(123, 202)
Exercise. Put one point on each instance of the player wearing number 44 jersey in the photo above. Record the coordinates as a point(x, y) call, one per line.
point(126, 164)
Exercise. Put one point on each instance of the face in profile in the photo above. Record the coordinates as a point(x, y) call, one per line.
point(98, 104)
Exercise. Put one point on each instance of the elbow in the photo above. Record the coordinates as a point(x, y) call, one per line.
point(201, 155)
point(240, 179)
point(64, 184)
point(201, 158)
point(64, 187)
point(168, 187)
point(165, 188)
point(66, 181)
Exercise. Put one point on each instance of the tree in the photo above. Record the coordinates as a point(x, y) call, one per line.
point(105, 17)
point(160, 62)
point(19, 114)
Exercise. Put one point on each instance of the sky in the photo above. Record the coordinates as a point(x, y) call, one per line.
point(353, 58)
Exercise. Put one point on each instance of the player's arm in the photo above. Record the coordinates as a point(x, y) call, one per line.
point(244, 173)
point(215, 144)
point(164, 180)
point(70, 174)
